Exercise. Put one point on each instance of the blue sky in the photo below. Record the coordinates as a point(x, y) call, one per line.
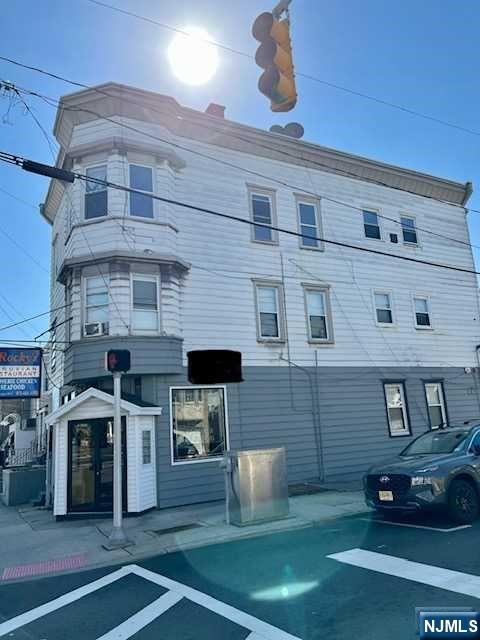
point(420, 55)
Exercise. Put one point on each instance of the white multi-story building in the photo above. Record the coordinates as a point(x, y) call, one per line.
point(346, 354)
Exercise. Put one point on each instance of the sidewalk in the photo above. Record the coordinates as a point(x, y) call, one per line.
point(32, 543)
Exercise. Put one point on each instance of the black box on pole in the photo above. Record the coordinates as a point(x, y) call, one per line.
point(117, 360)
point(214, 366)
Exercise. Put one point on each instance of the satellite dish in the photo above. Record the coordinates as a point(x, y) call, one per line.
point(276, 128)
point(294, 130)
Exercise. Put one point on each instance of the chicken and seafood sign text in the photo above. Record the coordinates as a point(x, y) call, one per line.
point(20, 372)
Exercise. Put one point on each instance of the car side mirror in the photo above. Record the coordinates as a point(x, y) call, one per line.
point(476, 448)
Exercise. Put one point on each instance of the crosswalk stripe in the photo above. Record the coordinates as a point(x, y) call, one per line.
point(142, 618)
point(464, 583)
point(67, 598)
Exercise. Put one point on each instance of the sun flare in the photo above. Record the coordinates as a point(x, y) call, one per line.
point(192, 58)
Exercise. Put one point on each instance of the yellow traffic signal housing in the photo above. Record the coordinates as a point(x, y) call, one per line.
point(274, 55)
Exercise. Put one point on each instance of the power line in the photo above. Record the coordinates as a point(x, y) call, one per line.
point(112, 185)
point(307, 76)
point(58, 104)
point(39, 315)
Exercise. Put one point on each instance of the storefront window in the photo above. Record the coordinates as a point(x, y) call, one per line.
point(198, 423)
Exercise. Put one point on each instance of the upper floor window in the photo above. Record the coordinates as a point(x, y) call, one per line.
point(309, 224)
point(269, 312)
point(96, 299)
point(371, 225)
point(141, 178)
point(319, 320)
point(145, 303)
point(262, 211)
point(96, 199)
point(383, 307)
point(53, 345)
point(422, 312)
point(409, 231)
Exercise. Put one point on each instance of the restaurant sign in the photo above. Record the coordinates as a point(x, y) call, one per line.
point(20, 372)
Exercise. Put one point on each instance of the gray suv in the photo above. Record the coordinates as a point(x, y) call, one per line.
point(440, 468)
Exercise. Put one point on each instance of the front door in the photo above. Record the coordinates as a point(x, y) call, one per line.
point(91, 465)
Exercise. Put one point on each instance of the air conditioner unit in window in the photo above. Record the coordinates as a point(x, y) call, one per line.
point(95, 329)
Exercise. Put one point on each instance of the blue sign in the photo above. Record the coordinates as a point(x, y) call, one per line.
point(20, 372)
point(449, 624)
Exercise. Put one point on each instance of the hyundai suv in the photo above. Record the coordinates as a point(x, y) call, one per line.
point(439, 469)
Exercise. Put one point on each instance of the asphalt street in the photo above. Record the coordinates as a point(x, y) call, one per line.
point(353, 577)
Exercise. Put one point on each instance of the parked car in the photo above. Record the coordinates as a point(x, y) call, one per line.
point(439, 469)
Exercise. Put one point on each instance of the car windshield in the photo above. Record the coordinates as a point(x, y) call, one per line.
point(436, 442)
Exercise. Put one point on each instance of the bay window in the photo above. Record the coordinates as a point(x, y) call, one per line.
point(96, 198)
point(145, 304)
point(141, 179)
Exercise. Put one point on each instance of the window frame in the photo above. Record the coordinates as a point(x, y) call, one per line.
point(106, 278)
point(152, 169)
point(150, 442)
point(443, 405)
point(389, 293)
point(174, 463)
point(316, 204)
point(422, 296)
point(278, 286)
point(407, 242)
point(253, 190)
point(147, 277)
point(376, 211)
point(53, 345)
point(87, 168)
point(405, 411)
point(325, 290)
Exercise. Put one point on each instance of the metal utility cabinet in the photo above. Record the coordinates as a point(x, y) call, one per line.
point(257, 487)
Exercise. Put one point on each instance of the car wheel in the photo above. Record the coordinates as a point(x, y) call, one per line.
point(463, 503)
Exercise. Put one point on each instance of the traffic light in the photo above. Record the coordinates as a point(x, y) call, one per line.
point(214, 366)
point(117, 360)
point(274, 55)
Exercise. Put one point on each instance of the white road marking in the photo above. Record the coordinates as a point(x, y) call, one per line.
point(263, 629)
point(147, 615)
point(464, 583)
point(175, 592)
point(67, 598)
point(418, 526)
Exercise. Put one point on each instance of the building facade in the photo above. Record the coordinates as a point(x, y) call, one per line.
point(347, 354)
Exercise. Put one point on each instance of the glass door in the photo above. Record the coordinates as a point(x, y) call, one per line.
point(91, 465)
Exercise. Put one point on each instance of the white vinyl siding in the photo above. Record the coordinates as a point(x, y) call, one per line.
point(96, 195)
point(395, 399)
point(269, 312)
point(141, 179)
point(319, 317)
point(437, 412)
point(145, 308)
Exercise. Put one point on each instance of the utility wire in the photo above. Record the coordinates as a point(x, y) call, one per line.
point(54, 103)
point(332, 85)
point(39, 315)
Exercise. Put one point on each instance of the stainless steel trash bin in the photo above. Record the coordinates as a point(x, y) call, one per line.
point(257, 486)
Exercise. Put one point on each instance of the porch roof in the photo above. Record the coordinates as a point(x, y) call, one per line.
point(128, 407)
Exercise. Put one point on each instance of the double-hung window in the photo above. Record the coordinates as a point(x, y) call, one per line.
point(422, 312)
point(145, 304)
point(198, 424)
point(383, 307)
point(319, 320)
point(396, 401)
point(53, 346)
point(309, 224)
point(96, 198)
point(437, 412)
point(371, 225)
point(409, 231)
point(141, 179)
point(261, 206)
point(269, 312)
point(96, 301)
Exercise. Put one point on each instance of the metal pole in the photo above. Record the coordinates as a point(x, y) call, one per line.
point(117, 537)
